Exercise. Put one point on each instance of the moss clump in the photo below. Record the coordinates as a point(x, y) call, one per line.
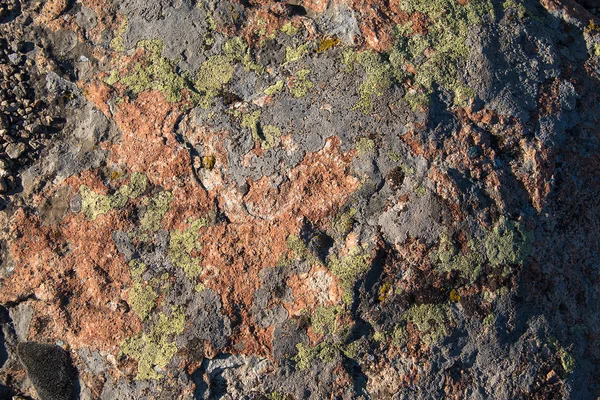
point(348, 269)
point(507, 243)
point(300, 84)
point(274, 89)
point(365, 146)
point(156, 348)
point(157, 208)
point(142, 299)
point(183, 244)
point(431, 320)
point(324, 319)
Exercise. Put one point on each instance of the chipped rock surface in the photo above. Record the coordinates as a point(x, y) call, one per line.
point(302, 199)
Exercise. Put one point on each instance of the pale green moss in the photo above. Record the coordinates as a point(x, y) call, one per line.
point(365, 146)
point(274, 89)
point(156, 209)
point(142, 299)
point(348, 269)
point(183, 244)
point(300, 84)
point(431, 320)
point(156, 348)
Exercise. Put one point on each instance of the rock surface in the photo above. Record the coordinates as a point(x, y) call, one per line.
point(305, 199)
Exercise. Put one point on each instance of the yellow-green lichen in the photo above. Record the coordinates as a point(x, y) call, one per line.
point(348, 269)
point(300, 250)
point(156, 72)
point(365, 146)
point(213, 74)
point(507, 243)
point(182, 246)
point(299, 85)
point(431, 320)
point(137, 269)
point(250, 121)
point(400, 335)
point(117, 42)
point(449, 258)
point(289, 29)
point(142, 299)
point(342, 224)
point(323, 320)
point(271, 135)
point(93, 204)
point(274, 89)
point(296, 53)
point(307, 355)
point(156, 209)
point(156, 348)
point(378, 79)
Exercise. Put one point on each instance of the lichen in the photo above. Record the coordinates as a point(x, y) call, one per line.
point(289, 29)
point(299, 85)
point(117, 42)
point(156, 72)
point(93, 204)
point(156, 209)
point(365, 146)
point(182, 246)
point(274, 89)
point(142, 299)
point(307, 355)
point(449, 258)
point(296, 53)
point(327, 43)
point(156, 348)
point(348, 269)
point(342, 224)
point(213, 74)
point(324, 319)
point(300, 250)
point(507, 243)
point(431, 320)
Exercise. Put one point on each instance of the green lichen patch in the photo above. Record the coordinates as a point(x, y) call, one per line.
point(182, 246)
point(508, 243)
point(438, 54)
point(142, 299)
point(324, 320)
point(117, 42)
point(156, 348)
point(156, 209)
point(156, 72)
point(299, 85)
point(348, 269)
point(274, 89)
point(449, 257)
point(300, 250)
point(93, 204)
point(293, 54)
point(342, 224)
point(289, 29)
point(431, 320)
point(307, 355)
point(214, 73)
point(365, 146)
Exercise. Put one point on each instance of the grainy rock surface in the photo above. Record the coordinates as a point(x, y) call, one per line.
point(305, 199)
